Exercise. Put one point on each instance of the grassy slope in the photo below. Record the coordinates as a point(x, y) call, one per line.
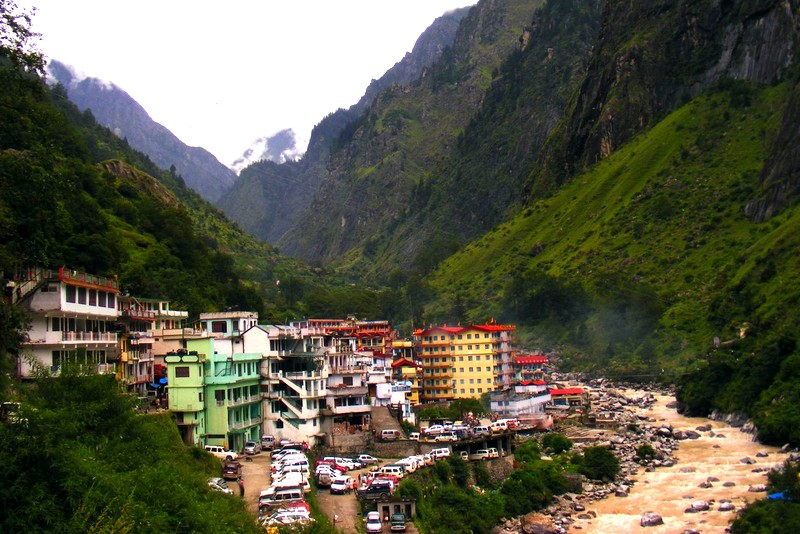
point(660, 219)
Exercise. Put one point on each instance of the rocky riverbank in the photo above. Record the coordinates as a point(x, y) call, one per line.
point(698, 472)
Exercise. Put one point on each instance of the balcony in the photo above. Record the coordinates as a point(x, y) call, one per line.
point(142, 315)
point(239, 425)
point(347, 391)
point(356, 408)
point(103, 337)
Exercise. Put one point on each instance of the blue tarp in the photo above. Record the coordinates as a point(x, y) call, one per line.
point(777, 497)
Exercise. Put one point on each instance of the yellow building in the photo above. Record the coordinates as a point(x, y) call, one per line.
point(464, 361)
point(406, 370)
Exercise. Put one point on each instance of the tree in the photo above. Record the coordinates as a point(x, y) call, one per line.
point(556, 443)
point(599, 463)
point(16, 36)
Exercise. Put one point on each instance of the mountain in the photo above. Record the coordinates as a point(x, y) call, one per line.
point(269, 199)
point(279, 148)
point(620, 181)
point(115, 109)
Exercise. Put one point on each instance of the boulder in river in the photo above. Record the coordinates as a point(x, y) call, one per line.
point(700, 506)
point(726, 507)
point(651, 519)
point(755, 488)
point(747, 460)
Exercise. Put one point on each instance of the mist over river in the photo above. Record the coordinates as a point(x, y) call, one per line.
point(670, 491)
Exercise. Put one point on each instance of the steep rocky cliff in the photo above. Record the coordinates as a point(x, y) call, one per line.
point(399, 143)
point(268, 200)
point(655, 54)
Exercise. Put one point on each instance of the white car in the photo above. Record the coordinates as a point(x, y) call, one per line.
point(288, 517)
point(434, 430)
point(221, 452)
point(410, 465)
point(366, 459)
point(341, 485)
point(252, 447)
point(219, 484)
point(374, 522)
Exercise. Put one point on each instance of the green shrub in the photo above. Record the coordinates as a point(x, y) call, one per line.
point(556, 443)
point(645, 452)
point(599, 463)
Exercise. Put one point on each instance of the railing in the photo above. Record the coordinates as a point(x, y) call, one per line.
point(81, 277)
point(139, 314)
point(89, 336)
point(346, 391)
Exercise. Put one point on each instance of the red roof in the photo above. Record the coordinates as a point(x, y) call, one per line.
point(523, 360)
point(533, 383)
point(567, 391)
point(403, 362)
point(461, 329)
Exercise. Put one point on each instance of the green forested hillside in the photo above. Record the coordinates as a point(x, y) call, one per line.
point(635, 266)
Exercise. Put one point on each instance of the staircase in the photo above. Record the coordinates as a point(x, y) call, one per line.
point(382, 419)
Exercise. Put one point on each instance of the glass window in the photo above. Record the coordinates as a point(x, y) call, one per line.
point(81, 295)
point(111, 302)
point(219, 327)
point(56, 324)
point(480, 390)
point(71, 292)
point(469, 336)
point(92, 297)
point(182, 371)
point(472, 390)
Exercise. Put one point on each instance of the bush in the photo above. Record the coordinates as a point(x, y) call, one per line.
point(556, 443)
point(645, 452)
point(527, 452)
point(599, 463)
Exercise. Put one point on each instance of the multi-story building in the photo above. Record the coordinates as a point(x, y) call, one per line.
point(530, 367)
point(141, 322)
point(222, 406)
point(525, 402)
point(73, 316)
point(464, 361)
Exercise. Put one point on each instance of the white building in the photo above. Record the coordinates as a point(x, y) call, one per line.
point(73, 320)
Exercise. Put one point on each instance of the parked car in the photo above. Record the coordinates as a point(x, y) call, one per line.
point(377, 490)
point(366, 459)
point(252, 447)
point(481, 430)
point(414, 436)
point(267, 442)
point(221, 452)
point(390, 435)
point(481, 454)
point(440, 453)
point(288, 517)
point(397, 522)
point(433, 430)
point(374, 522)
point(231, 470)
point(219, 484)
point(493, 453)
point(446, 436)
point(341, 485)
point(464, 455)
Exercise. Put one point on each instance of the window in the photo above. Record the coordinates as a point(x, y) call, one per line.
point(462, 390)
point(182, 371)
point(471, 380)
point(219, 395)
point(81, 295)
point(347, 380)
point(459, 336)
point(486, 346)
point(92, 297)
point(219, 327)
point(479, 381)
point(461, 381)
point(480, 390)
point(488, 369)
point(200, 396)
point(485, 336)
point(471, 370)
point(56, 324)
point(469, 358)
point(469, 347)
point(71, 293)
point(460, 369)
point(101, 298)
point(472, 390)
point(469, 336)
point(461, 358)
point(111, 302)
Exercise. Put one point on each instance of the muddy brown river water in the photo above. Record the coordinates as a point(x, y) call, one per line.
point(669, 491)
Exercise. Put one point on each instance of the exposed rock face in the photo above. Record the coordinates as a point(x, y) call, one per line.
point(780, 177)
point(650, 58)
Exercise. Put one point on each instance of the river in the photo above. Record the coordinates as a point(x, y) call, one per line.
point(669, 491)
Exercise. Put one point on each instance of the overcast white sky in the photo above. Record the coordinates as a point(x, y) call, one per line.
point(221, 74)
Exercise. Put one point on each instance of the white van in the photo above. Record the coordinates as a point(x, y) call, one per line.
point(499, 426)
point(440, 453)
point(390, 435)
point(393, 469)
point(221, 452)
point(276, 497)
